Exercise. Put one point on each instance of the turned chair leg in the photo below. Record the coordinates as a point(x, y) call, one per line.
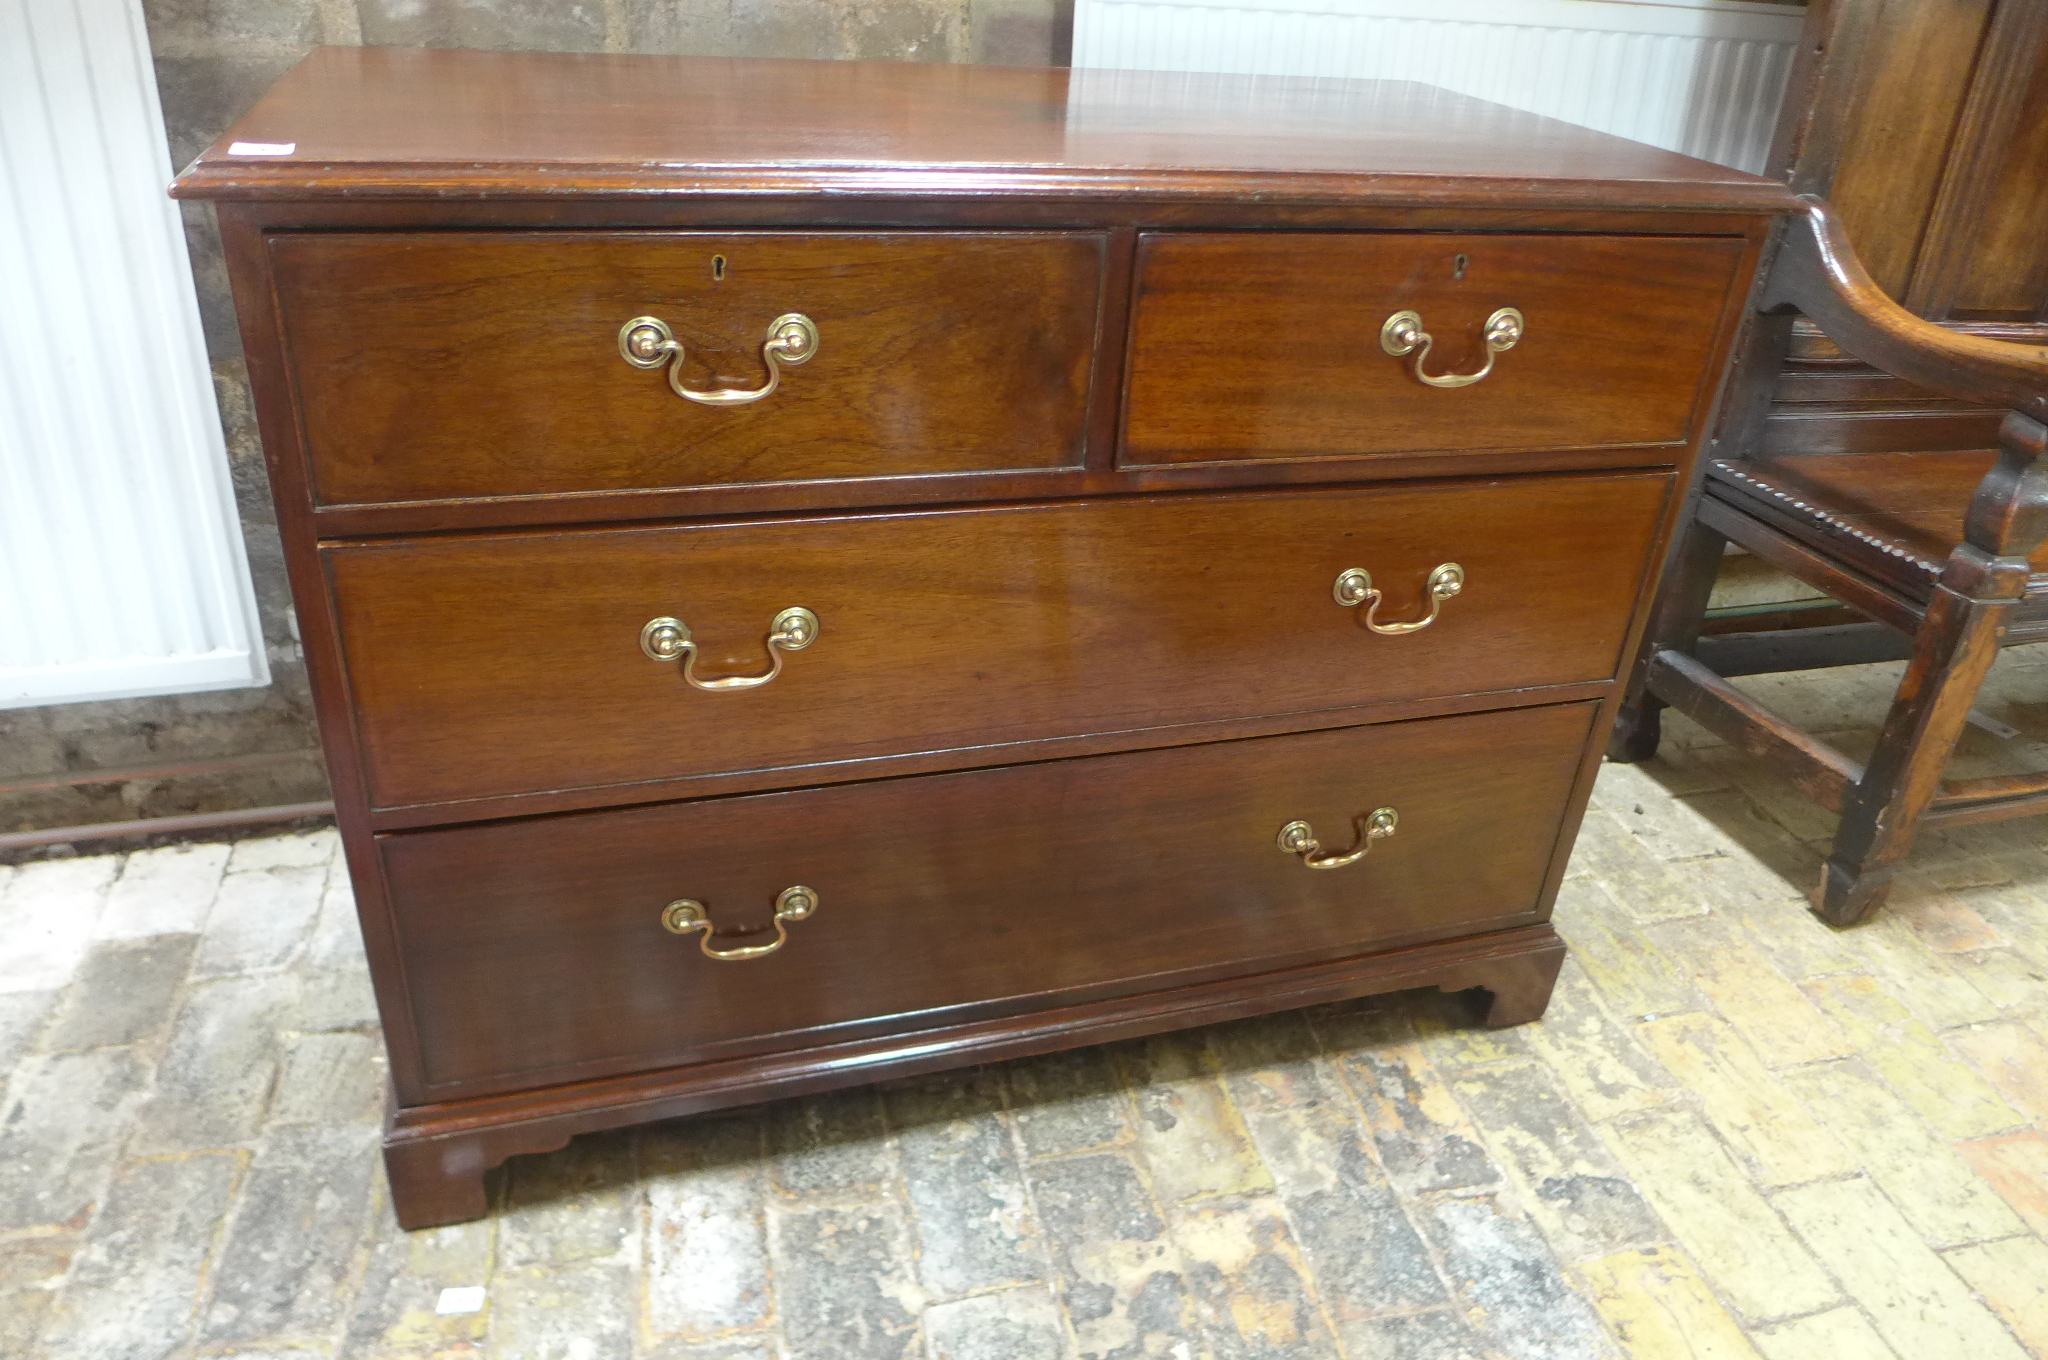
point(1985, 576)
point(1638, 728)
point(1952, 653)
point(1675, 625)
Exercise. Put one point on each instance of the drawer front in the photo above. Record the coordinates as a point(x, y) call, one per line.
point(466, 364)
point(535, 951)
point(513, 663)
point(1257, 347)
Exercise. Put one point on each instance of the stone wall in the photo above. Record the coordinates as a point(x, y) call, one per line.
point(213, 59)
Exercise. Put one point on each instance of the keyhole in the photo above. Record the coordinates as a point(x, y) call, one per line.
point(1460, 261)
point(718, 268)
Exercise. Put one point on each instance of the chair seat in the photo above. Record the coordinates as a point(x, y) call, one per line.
point(1892, 516)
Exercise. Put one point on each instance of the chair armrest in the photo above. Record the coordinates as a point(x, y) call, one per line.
point(1817, 273)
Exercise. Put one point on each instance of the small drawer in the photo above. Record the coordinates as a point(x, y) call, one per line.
point(953, 896)
point(446, 365)
point(1271, 347)
point(525, 663)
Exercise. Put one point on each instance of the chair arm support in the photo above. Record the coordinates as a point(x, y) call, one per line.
point(2008, 515)
point(1817, 273)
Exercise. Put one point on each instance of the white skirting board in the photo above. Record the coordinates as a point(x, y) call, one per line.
point(1702, 77)
point(122, 570)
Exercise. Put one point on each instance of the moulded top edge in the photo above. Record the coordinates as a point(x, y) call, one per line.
point(353, 122)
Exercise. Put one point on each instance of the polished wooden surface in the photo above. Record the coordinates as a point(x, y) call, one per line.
point(1981, 253)
point(1821, 276)
point(1923, 122)
point(1268, 347)
point(1897, 515)
point(1007, 606)
point(418, 121)
point(246, 238)
point(1827, 427)
point(434, 366)
point(436, 1155)
point(2003, 276)
point(726, 783)
point(1907, 84)
point(977, 894)
point(520, 670)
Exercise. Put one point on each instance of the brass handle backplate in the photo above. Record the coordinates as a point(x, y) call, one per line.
point(1355, 587)
point(1402, 334)
point(792, 630)
point(687, 914)
point(647, 342)
point(1299, 838)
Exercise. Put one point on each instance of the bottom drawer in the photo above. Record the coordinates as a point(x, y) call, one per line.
point(535, 952)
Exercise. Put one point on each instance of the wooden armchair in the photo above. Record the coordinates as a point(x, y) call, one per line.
point(1944, 546)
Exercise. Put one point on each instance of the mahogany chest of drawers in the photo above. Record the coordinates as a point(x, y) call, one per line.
point(821, 571)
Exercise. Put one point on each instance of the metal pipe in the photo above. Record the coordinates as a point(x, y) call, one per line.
point(218, 765)
point(155, 826)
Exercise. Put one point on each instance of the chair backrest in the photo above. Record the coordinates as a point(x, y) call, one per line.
point(1925, 124)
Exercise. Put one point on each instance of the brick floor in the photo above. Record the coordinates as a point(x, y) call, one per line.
point(1736, 1134)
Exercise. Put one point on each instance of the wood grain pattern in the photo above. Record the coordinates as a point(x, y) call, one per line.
point(1812, 766)
point(436, 1155)
point(1860, 427)
point(725, 783)
point(1979, 185)
point(1926, 123)
point(1898, 515)
point(1787, 644)
point(1058, 701)
point(1957, 642)
point(1448, 206)
point(1267, 347)
point(981, 893)
point(521, 668)
point(436, 366)
point(1821, 275)
point(1897, 113)
point(1806, 143)
point(1787, 545)
point(414, 122)
point(2006, 274)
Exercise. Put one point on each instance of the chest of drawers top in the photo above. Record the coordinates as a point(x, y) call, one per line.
point(367, 123)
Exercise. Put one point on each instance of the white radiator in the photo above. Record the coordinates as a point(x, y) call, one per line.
point(121, 566)
point(121, 563)
point(1703, 77)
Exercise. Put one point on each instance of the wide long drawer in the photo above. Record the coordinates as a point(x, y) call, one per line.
point(1251, 346)
point(535, 951)
point(441, 365)
point(517, 663)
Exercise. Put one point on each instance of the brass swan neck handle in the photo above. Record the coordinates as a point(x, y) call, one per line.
point(1402, 334)
point(1355, 587)
point(1299, 838)
point(665, 639)
point(648, 342)
point(686, 915)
